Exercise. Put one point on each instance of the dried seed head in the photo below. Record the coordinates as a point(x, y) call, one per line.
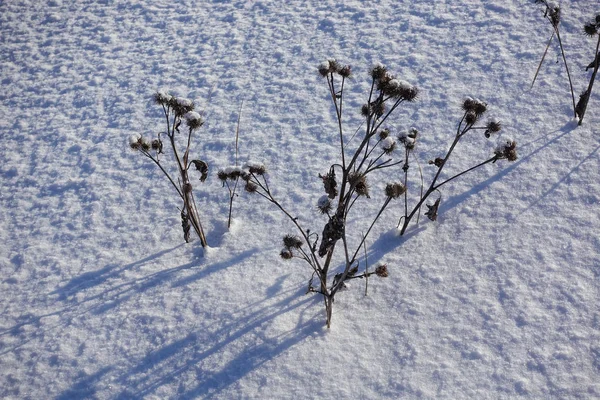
point(379, 108)
point(408, 138)
point(222, 175)
point(345, 71)
point(250, 187)
point(384, 133)
point(470, 118)
point(475, 106)
point(286, 254)
point(256, 168)
point(507, 151)
point(394, 190)
point(292, 242)
point(388, 145)
point(378, 71)
point(438, 162)
point(328, 67)
point(157, 145)
point(590, 29)
point(134, 142)
point(493, 126)
point(187, 188)
point(193, 120)
point(365, 110)
point(324, 205)
point(359, 182)
point(382, 271)
point(553, 11)
point(161, 98)
point(180, 105)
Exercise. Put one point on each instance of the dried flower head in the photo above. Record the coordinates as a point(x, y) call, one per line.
point(324, 204)
point(408, 138)
point(134, 142)
point(384, 133)
point(470, 117)
point(475, 106)
point(250, 187)
point(507, 151)
point(256, 168)
point(438, 162)
point(388, 145)
point(292, 242)
point(162, 98)
point(493, 126)
point(193, 120)
point(590, 29)
point(328, 67)
point(180, 105)
point(345, 71)
point(382, 271)
point(202, 167)
point(286, 254)
point(222, 175)
point(378, 71)
point(359, 182)
point(365, 110)
point(553, 12)
point(394, 190)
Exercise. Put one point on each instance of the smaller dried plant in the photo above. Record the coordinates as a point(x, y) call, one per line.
point(177, 111)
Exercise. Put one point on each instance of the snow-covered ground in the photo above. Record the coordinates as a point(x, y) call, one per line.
point(100, 298)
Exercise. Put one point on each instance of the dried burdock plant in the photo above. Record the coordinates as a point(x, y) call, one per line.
point(347, 183)
point(552, 12)
point(473, 111)
point(591, 29)
point(177, 111)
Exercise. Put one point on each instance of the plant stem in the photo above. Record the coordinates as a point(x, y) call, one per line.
point(588, 92)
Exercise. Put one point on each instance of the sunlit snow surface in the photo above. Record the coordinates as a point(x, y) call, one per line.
point(100, 298)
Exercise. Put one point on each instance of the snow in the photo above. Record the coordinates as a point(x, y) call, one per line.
point(101, 298)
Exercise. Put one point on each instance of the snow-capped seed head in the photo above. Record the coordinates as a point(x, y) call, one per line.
point(345, 71)
point(233, 172)
point(388, 145)
point(145, 143)
point(408, 138)
point(193, 120)
point(382, 271)
point(394, 190)
point(180, 105)
point(292, 242)
point(324, 68)
point(553, 10)
point(222, 175)
point(474, 105)
point(162, 97)
point(507, 150)
point(286, 254)
point(324, 204)
point(379, 71)
point(256, 168)
point(135, 142)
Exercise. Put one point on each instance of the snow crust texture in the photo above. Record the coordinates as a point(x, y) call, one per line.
point(101, 299)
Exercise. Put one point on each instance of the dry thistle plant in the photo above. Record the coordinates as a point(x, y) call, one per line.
point(346, 184)
point(177, 110)
point(591, 29)
point(552, 13)
point(473, 111)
